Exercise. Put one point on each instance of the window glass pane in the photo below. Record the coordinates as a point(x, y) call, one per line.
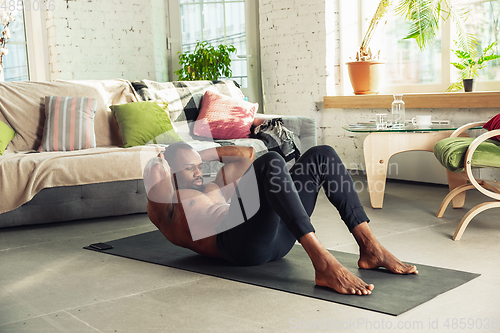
point(235, 27)
point(405, 63)
point(213, 23)
point(217, 22)
point(16, 62)
point(484, 22)
point(239, 68)
point(191, 26)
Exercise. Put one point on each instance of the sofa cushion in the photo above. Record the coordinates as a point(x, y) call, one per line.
point(184, 97)
point(142, 122)
point(6, 135)
point(493, 124)
point(450, 152)
point(24, 109)
point(222, 117)
point(69, 123)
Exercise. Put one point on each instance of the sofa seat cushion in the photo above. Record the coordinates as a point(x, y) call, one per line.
point(36, 171)
point(450, 152)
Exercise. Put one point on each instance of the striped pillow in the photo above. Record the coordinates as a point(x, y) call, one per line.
point(69, 123)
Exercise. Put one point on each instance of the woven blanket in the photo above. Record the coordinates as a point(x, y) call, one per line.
point(184, 97)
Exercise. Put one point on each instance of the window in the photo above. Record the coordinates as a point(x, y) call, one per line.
point(407, 69)
point(16, 62)
point(217, 22)
point(234, 22)
point(484, 22)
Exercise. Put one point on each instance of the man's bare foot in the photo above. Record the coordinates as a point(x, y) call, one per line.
point(378, 256)
point(373, 255)
point(330, 273)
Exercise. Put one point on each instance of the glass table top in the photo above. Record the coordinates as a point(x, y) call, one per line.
point(372, 127)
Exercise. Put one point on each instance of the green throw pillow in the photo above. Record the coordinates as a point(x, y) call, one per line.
point(143, 122)
point(6, 135)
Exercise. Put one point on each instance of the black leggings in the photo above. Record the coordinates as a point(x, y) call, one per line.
point(287, 200)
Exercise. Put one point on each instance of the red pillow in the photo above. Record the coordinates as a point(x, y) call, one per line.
point(493, 124)
point(223, 117)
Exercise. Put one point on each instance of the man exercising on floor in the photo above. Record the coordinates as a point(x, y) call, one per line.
point(182, 208)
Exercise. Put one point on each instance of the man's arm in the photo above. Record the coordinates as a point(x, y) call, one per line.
point(236, 159)
point(159, 189)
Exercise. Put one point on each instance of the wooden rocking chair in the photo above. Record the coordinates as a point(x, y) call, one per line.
point(487, 155)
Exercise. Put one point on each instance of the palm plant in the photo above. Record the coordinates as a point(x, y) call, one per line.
point(470, 65)
point(425, 17)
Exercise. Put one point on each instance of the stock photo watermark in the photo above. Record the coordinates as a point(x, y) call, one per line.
point(160, 164)
point(28, 5)
point(365, 324)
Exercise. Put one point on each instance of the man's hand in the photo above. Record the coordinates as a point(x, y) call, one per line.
point(157, 180)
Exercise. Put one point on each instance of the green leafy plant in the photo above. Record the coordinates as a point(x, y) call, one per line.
point(206, 62)
point(425, 17)
point(470, 64)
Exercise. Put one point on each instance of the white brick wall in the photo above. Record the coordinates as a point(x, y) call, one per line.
point(293, 51)
point(90, 39)
point(300, 54)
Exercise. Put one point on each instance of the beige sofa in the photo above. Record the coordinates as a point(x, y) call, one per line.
point(40, 187)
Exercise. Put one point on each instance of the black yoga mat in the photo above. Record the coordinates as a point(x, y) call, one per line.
point(393, 294)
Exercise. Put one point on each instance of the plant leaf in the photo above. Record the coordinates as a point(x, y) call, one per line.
point(459, 85)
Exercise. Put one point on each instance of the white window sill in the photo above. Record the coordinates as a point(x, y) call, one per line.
point(460, 100)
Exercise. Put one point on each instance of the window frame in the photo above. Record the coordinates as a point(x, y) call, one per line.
point(37, 44)
point(446, 57)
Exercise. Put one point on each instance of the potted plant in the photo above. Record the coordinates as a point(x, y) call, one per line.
point(364, 73)
point(470, 64)
point(206, 62)
point(425, 18)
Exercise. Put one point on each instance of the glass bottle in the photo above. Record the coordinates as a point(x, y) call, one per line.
point(398, 112)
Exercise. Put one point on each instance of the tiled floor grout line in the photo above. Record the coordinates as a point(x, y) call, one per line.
point(84, 322)
point(108, 300)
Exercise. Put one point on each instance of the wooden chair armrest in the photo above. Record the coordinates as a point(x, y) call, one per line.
point(465, 127)
point(468, 162)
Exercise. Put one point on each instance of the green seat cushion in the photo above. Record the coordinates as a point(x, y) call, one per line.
point(6, 135)
point(450, 152)
point(144, 122)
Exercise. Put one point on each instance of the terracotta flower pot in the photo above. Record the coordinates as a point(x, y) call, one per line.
point(365, 76)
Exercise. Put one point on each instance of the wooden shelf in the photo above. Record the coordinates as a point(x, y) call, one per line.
point(461, 100)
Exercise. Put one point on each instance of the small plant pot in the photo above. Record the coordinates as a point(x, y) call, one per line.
point(365, 76)
point(469, 85)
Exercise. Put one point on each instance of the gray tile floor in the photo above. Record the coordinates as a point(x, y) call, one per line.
point(48, 283)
